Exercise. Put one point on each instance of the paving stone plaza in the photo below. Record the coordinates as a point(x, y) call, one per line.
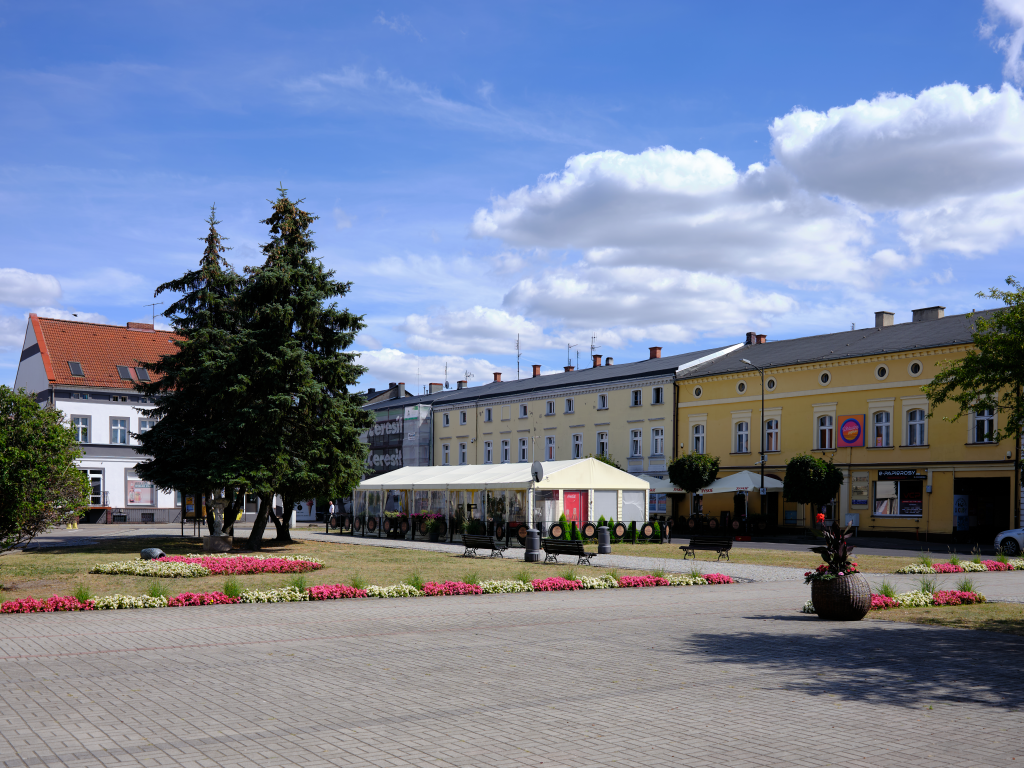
point(723, 676)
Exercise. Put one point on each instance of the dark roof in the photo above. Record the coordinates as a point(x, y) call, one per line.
point(584, 376)
point(904, 337)
point(401, 402)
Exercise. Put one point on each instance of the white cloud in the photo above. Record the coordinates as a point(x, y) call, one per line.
point(1012, 44)
point(109, 285)
point(400, 23)
point(474, 330)
point(25, 289)
point(387, 365)
point(342, 220)
point(12, 332)
point(65, 314)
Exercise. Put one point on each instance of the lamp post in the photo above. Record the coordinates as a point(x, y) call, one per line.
point(762, 493)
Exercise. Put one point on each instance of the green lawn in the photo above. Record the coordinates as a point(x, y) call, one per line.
point(991, 617)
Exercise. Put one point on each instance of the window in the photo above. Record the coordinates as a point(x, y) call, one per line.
point(741, 387)
point(550, 409)
point(505, 452)
point(824, 432)
point(462, 417)
point(899, 497)
point(914, 369)
point(523, 411)
point(657, 441)
point(81, 427)
point(915, 427)
point(119, 431)
point(883, 434)
point(637, 398)
point(824, 378)
point(602, 402)
point(569, 405)
point(142, 374)
point(445, 454)
point(770, 385)
point(444, 420)
point(697, 391)
point(487, 414)
point(657, 396)
point(771, 435)
point(698, 438)
point(95, 478)
point(124, 372)
point(635, 443)
point(984, 425)
point(742, 437)
point(524, 454)
point(881, 372)
point(462, 453)
point(119, 398)
point(76, 369)
point(577, 446)
point(487, 452)
point(145, 425)
point(602, 443)
point(139, 492)
point(549, 448)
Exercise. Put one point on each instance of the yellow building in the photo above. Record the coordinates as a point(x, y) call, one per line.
point(854, 397)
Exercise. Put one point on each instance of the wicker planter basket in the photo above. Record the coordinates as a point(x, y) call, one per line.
point(844, 598)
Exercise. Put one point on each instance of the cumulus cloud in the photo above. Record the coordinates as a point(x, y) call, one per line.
point(1011, 12)
point(19, 288)
point(388, 364)
point(81, 317)
point(474, 330)
point(12, 332)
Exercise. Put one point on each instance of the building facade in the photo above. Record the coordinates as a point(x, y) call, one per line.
point(401, 435)
point(855, 397)
point(89, 372)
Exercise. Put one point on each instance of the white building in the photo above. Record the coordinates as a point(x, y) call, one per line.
point(89, 372)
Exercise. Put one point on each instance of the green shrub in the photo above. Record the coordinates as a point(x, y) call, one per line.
point(569, 574)
point(886, 589)
point(953, 559)
point(601, 521)
point(414, 580)
point(659, 573)
point(358, 582)
point(928, 585)
point(156, 589)
point(232, 587)
point(657, 531)
point(1001, 556)
point(925, 560)
point(471, 578)
point(523, 575)
point(966, 584)
point(298, 581)
point(82, 593)
point(976, 551)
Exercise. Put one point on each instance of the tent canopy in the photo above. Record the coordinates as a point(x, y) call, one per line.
point(578, 473)
point(661, 486)
point(742, 481)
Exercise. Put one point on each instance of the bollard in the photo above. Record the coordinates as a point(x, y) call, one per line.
point(532, 554)
point(604, 541)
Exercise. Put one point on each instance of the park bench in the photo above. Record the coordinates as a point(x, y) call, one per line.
point(719, 544)
point(473, 543)
point(555, 547)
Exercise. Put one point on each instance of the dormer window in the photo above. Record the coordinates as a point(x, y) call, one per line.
point(76, 369)
point(124, 372)
point(142, 374)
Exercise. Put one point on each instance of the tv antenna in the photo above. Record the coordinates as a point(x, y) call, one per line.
point(468, 376)
point(446, 385)
point(153, 306)
point(568, 353)
point(593, 346)
point(519, 353)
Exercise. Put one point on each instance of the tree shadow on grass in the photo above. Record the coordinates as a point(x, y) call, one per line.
point(897, 664)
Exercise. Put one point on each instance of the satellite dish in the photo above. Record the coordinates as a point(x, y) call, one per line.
point(446, 386)
point(537, 470)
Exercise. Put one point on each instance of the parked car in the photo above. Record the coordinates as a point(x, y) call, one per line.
point(1011, 542)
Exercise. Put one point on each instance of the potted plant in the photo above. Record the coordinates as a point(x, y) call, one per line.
point(433, 529)
point(838, 591)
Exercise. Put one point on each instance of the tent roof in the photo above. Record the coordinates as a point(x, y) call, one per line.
point(661, 486)
point(578, 473)
point(741, 481)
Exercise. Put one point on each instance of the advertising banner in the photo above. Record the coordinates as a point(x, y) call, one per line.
point(851, 431)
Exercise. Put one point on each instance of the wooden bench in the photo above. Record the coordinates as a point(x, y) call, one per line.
point(719, 544)
point(473, 543)
point(555, 547)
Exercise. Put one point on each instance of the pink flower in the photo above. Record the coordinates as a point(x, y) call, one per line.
point(451, 588)
point(200, 598)
point(554, 584)
point(243, 564)
point(717, 578)
point(881, 602)
point(643, 581)
point(55, 603)
point(334, 592)
point(995, 565)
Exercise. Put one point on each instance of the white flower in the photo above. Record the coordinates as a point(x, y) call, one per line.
point(505, 585)
point(915, 599)
point(282, 595)
point(917, 568)
point(395, 590)
point(111, 602)
point(158, 568)
point(808, 607)
point(601, 582)
point(973, 567)
point(686, 581)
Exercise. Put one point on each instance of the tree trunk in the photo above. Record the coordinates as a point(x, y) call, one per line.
point(208, 505)
point(232, 511)
point(255, 542)
point(284, 535)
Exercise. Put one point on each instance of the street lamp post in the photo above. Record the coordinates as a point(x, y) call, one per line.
point(762, 452)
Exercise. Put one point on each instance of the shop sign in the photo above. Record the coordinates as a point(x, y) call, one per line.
point(900, 474)
point(851, 431)
point(860, 489)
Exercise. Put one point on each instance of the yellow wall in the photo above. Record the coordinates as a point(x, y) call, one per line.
point(854, 388)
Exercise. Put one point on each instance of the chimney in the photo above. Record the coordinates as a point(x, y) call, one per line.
point(655, 352)
point(883, 319)
point(463, 383)
point(536, 371)
point(497, 376)
point(392, 385)
point(929, 313)
point(139, 326)
point(608, 361)
point(401, 389)
point(762, 338)
point(751, 338)
point(435, 388)
point(370, 391)
point(569, 368)
point(597, 361)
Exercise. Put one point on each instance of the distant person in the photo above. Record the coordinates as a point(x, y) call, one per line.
point(330, 513)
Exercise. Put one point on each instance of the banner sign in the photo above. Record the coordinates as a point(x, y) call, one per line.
point(851, 431)
point(900, 474)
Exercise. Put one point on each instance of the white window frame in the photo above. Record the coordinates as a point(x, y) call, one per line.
point(881, 429)
point(636, 398)
point(445, 454)
point(524, 410)
point(917, 428)
point(505, 452)
point(549, 448)
point(124, 436)
point(80, 422)
point(699, 434)
point(825, 431)
point(772, 435)
point(549, 409)
point(570, 405)
point(488, 452)
point(636, 443)
point(978, 418)
point(657, 395)
point(488, 414)
point(145, 425)
point(462, 454)
point(462, 417)
point(90, 473)
point(445, 421)
point(577, 446)
point(603, 445)
point(742, 432)
point(524, 449)
point(602, 402)
point(658, 441)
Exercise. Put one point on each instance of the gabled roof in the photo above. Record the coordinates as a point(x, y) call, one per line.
point(584, 376)
point(100, 349)
point(905, 337)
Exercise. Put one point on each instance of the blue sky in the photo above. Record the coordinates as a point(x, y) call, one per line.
point(669, 174)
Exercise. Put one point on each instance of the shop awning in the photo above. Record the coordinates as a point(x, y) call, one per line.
point(744, 481)
point(576, 474)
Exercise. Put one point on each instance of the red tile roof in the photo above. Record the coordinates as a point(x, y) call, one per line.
point(99, 348)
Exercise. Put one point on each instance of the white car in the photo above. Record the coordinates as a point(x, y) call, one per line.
point(1011, 542)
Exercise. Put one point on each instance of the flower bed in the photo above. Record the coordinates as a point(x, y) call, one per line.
point(201, 598)
point(432, 589)
point(114, 602)
point(505, 586)
point(283, 595)
point(51, 604)
point(157, 568)
point(601, 582)
point(643, 581)
point(718, 578)
point(395, 590)
point(917, 599)
point(195, 566)
point(554, 584)
point(956, 597)
point(881, 602)
point(947, 568)
point(334, 592)
point(964, 567)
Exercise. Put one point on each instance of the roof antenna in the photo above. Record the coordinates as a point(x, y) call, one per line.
point(154, 305)
point(519, 353)
point(568, 353)
point(446, 386)
point(593, 346)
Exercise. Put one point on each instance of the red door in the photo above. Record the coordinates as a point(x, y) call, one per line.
point(575, 507)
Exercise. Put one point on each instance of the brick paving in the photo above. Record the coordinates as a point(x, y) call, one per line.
point(724, 676)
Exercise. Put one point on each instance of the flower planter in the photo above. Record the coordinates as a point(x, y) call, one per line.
point(844, 598)
point(433, 536)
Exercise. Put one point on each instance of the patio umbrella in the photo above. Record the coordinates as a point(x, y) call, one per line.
point(745, 481)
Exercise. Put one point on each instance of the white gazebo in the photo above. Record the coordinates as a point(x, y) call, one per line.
point(581, 489)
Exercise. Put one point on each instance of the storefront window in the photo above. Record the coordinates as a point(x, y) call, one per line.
point(140, 492)
point(899, 498)
point(658, 504)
